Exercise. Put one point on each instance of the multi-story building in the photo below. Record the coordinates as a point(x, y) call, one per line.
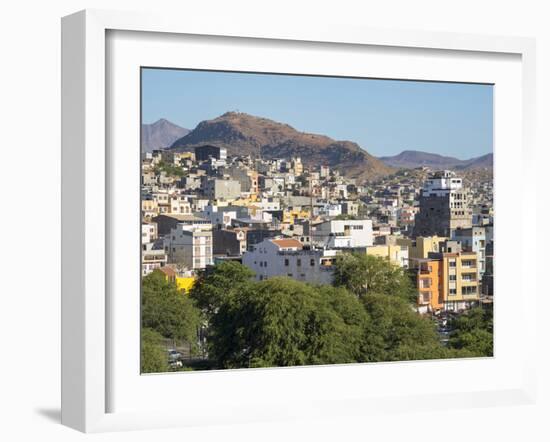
point(230, 242)
point(459, 282)
point(216, 188)
point(428, 284)
point(166, 223)
point(420, 247)
point(221, 216)
point(334, 234)
point(297, 166)
point(151, 258)
point(149, 232)
point(190, 247)
point(288, 257)
point(203, 153)
point(350, 208)
point(473, 239)
point(444, 206)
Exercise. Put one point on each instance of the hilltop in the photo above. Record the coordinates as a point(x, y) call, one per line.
point(244, 134)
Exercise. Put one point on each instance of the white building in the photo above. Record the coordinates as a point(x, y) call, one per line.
point(151, 259)
point(189, 245)
point(180, 204)
point(223, 215)
point(149, 232)
point(328, 210)
point(343, 234)
point(287, 257)
point(441, 184)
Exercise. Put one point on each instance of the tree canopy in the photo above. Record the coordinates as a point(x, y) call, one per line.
point(153, 355)
point(473, 332)
point(366, 316)
point(282, 322)
point(213, 287)
point(362, 274)
point(167, 310)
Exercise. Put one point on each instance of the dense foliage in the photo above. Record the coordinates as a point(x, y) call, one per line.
point(473, 332)
point(362, 274)
point(153, 355)
point(169, 169)
point(365, 316)
point(165, 310)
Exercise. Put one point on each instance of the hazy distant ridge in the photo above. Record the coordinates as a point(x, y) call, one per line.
point(160, 134)
point(410, 159)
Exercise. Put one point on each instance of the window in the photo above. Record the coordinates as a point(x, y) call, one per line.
point(452, 277)
point(452, 291)
point(312, 262)
point(286, 262)
point(298, 262)
point(452, 263)
point(469, 290)
point(289, 275)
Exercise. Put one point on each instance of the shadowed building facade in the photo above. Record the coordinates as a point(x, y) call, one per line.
point(444, 206)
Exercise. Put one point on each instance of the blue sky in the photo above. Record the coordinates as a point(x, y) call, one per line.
point(384, 117)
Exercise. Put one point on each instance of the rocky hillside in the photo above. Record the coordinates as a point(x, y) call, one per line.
point(160, 134)
point(244, 134)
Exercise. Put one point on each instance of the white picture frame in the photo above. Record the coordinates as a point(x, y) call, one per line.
point(85, 218)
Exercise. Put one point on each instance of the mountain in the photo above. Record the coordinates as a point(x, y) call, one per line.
point(160, 134)
point(244, 134)
point(484, 161)
point(409, 159)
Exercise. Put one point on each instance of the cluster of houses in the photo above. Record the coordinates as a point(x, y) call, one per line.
point(281, 218)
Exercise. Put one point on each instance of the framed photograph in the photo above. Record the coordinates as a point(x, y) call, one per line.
point(268, 223)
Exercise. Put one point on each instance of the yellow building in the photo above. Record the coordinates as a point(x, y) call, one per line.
point(459, 280)
point(395, 254)
point(421, 246)
point(290, 216)
point(185, 283)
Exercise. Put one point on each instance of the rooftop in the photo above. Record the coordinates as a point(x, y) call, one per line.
point(286, 243)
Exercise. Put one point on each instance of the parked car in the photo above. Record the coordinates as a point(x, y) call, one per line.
point(174, 355)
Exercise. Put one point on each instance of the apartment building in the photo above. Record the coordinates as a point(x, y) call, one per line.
point(288, 257)
point(459, 282)
point(190, 247)
point(343, 234)
point(444, 205)
point(428, 283)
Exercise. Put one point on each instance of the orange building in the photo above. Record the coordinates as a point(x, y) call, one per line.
point(430, 296)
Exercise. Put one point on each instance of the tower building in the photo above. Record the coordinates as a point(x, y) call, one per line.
point(444, 206)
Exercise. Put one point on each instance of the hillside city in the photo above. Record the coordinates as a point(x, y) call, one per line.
point(280, 218)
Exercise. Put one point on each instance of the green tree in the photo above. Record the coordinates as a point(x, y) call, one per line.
point(153, 354)
point(170, 169)
point(283, 322)
point(168, 311)
point(213, 287)
point(473, 332)
point(362, 274)
point(396, 332)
